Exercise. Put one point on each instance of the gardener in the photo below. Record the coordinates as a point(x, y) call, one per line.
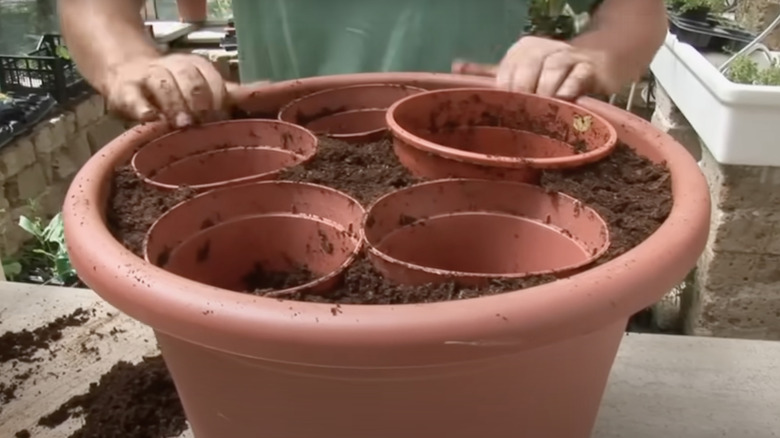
point(284, 39)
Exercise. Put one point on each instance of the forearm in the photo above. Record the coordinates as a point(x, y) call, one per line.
point(628, 32)
point(102, 34)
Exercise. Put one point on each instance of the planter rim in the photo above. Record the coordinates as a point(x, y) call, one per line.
point(372, 248)
point(572, 160)
point(442, 332)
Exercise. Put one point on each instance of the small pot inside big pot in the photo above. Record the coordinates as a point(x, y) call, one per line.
point(474, 231)
point(272, 255)
point(192, 11)
point(355, 114)
point(495, 134)
point(221, 154)
point(269, 198)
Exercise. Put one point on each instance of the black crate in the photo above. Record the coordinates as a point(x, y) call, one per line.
point(713, 34)
point(47, 69)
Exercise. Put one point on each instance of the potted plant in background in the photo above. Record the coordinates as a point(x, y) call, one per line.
point(744, 70)
point(549, 18)
point(695, 10)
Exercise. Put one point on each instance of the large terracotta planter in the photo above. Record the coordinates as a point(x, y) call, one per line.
point(496, 134)
point(472, 231)
point(531, 363)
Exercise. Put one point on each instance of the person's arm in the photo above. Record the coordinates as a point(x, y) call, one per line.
point(628, 32)
point(103, 34)
point(113, 51)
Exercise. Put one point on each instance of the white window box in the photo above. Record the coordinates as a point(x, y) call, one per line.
point(739, 124)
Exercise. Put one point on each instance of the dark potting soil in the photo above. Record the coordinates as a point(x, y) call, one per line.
point(129, 401)
point(135, 205)
point(23, 345)
point(632, 193)
point(364, 171)
point(261, 281)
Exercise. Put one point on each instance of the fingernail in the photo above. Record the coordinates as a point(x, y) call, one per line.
point(148, 115)
point(183, 120)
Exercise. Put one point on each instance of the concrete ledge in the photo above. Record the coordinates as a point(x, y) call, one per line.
point(660, 385)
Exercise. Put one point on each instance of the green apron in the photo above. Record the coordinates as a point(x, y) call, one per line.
point(287, 39)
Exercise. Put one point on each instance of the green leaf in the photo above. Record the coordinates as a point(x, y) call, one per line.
point(45, 253)
point(32, 227)
point(55, 231)
point(62, 52)
point(12, 269)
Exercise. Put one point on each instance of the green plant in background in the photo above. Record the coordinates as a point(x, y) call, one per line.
point(552, 19)
point(220, 9)
point(62, 52)
point(11, 267)
point(690, 5)
point(744, 70)
point(48, 254)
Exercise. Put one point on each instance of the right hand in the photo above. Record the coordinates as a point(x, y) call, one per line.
point(182, 89)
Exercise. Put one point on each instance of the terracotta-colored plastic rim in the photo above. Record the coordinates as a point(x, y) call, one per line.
point(266, 197)
point(432, 210)
point(282, 133)
point(322, 282)
point(412, 140)
point(239, 155)
point(238, 323)
point(344, 100)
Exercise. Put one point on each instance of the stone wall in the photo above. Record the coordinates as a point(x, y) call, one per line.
point(35, 170)
point(736, 286)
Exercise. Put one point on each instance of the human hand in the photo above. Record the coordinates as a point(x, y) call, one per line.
point(549, 68)
point(183, 89)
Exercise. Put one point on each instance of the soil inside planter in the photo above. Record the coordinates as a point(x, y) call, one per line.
point(632, 193)
point(261, 281)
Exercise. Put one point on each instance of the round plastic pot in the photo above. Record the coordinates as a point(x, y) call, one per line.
point(263, 198)
point(477, 132)
point(471, 231)
point(354, 114)
point(231, 254)
point(221, 154)
point(535, 360)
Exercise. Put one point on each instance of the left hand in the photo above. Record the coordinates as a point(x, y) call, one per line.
point(549, 68)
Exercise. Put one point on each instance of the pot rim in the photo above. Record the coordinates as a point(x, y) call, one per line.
point(285, 112)
point(235, 181)
point(572, 160)
point(309, 286)
point(441, 332)
point(177, 209)
point(371, 247)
